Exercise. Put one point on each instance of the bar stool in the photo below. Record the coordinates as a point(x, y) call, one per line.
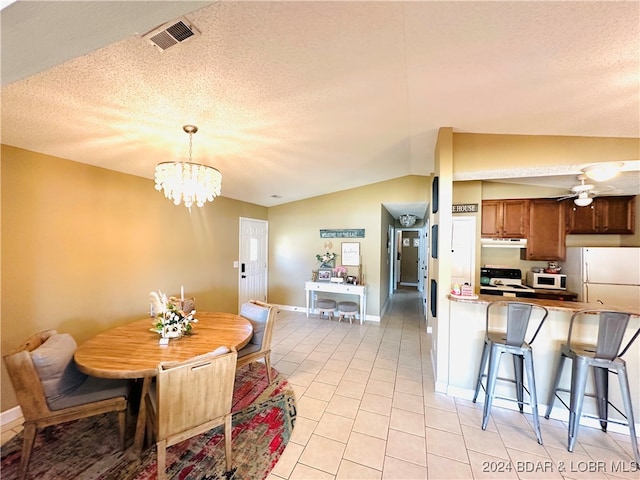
point(326, 305)
point(604, 356)
point(347, 310)
point(512, 341)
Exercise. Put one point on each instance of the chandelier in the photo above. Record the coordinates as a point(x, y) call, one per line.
point(407, 220)
point(188, 182)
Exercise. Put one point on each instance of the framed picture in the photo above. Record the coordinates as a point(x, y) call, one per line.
point(434, 241)
point(434, 298)
point(434, 194)
point(324, 274)
point(350, 254)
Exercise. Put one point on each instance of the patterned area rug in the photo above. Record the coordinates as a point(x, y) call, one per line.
point(263, 421)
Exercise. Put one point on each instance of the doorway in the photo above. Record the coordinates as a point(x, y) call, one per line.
point(253, 268)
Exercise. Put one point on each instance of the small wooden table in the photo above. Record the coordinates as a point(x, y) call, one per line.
point(133, 351)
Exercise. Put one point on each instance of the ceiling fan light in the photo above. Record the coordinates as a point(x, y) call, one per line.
point(603, 171)
point(583, 201)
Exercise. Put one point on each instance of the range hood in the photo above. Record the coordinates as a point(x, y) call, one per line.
point(504, 242)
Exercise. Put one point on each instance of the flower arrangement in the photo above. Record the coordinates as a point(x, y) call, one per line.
point(326, 259)
point(340, 271)
point(170, 320)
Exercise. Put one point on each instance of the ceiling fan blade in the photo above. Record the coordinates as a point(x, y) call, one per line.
point(565, 197)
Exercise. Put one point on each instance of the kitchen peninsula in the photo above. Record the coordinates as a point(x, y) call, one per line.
point(466, 335)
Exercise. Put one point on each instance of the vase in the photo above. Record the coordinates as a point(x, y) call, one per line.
point(172, 331)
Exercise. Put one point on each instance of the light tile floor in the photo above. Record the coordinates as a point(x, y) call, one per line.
point(367, 410)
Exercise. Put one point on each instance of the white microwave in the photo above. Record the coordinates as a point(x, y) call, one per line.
point(552, 281)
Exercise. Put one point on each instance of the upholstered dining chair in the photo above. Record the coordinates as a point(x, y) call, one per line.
point(51, 390)
point(262, 317)
point(190, 398)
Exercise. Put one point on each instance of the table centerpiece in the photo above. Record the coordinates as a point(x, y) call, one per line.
point(170, 321)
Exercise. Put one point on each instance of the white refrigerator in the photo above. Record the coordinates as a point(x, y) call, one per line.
point(604, 275)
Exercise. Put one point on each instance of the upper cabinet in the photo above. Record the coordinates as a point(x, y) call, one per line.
point(605, 215)
point(505, 218)
point(546, 239)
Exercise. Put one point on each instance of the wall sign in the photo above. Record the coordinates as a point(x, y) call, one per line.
point(342, 233)
point(464, 208)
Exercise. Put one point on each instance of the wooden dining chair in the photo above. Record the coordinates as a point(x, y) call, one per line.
point(191, 398)
point(50, 390)
point(262, 317)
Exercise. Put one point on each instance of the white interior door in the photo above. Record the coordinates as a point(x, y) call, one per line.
point(463, 250)
point(252, 271)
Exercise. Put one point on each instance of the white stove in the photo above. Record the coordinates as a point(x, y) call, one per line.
point(506, 282)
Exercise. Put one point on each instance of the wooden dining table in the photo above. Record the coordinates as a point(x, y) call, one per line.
point(133, 351)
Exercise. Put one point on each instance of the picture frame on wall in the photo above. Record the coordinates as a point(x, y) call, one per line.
point(435, 187)
point(434, 241)
point(350, 254)
point(433, 298)
point(324, 274)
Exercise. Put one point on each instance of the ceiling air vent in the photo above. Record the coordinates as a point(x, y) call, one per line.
point(171, 34)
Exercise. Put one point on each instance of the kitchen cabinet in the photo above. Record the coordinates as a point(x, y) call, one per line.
point(546, 239)
point(505, 218)
point(605, 215)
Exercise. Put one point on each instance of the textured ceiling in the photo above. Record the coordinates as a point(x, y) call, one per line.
point(298, 99)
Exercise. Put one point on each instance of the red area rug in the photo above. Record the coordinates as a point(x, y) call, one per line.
point(263, 421)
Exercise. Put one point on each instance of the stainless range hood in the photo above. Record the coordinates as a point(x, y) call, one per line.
point(504, 242)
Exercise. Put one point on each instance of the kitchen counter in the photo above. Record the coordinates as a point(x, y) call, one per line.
point(558, 305)
point(459, 354)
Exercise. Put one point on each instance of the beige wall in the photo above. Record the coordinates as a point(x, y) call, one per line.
point(474, 152)
point(294, 237)
point(82, 247)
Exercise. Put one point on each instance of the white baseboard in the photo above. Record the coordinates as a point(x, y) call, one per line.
point(10, 415)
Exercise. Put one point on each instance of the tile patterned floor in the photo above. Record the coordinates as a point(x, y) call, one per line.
point(367, 410)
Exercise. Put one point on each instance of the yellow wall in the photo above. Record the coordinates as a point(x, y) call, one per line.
point(294, 236)
point(82, 247)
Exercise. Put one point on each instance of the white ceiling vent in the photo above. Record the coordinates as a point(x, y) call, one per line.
point(171, 33)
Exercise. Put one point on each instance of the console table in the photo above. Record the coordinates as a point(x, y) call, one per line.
point(344, 288)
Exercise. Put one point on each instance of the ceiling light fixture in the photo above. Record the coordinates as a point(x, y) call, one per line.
point(583, 199)
point(603, 171)
point(188, 182)
point(407, 220)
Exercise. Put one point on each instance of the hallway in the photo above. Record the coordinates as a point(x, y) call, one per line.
point(367, 410)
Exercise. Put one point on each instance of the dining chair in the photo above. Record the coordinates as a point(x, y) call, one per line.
point(191, 398)
point(51, 390)
point(262, 317)
point(516, 317)
point(603, 337)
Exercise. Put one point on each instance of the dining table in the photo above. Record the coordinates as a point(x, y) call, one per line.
point(134, 351)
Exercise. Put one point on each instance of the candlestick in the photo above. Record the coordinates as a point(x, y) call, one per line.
point(182, 293)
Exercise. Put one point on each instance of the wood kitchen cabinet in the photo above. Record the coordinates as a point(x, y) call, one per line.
point(546, 239)
point(605, 215)
point(505, 218)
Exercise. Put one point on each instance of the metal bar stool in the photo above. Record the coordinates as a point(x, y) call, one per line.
point(347, 310)
point(512, 341)
point(326, 306)
point(604, 356)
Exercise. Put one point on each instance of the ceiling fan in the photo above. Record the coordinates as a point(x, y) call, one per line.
point(582, 194)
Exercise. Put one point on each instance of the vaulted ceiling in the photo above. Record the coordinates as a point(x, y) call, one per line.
point(298, 99)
